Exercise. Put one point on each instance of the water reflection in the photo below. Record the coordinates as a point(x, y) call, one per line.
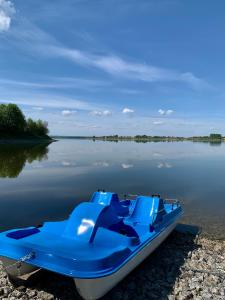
point(48, 190)
point(215, 143)
point(164, 165)
point(127, 166)
point(104, 164)
point(14, 157)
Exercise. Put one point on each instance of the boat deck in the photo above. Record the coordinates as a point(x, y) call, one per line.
point(98, 238)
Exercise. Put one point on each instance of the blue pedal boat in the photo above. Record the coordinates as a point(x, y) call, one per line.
point(98, 245)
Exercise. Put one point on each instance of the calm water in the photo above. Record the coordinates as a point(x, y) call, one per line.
point(39, 183)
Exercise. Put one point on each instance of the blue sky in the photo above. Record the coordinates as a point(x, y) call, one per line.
point(117, 66)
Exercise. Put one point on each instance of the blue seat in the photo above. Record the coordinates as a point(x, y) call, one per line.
point(86, 218)
point(147, 211)
point(22, 233)
point(110, 199)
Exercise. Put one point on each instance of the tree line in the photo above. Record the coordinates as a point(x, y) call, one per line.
point(213, 137)
point(14, 123)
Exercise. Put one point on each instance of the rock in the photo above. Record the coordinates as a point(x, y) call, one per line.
point(16, 294)
point(31, 293)
point(21, 288)
point(45, 296)
point(24, 297)
point(6, 291)
point(171, 297)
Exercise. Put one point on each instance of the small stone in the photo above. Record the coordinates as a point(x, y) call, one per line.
point(6, 291)
point(17, 294)
point(189, 254)
point(31, 293)
point(21, 288)
point(45, 296)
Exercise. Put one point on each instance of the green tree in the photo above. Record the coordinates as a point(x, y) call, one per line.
point(13, 123)
point(12, 119)
point(42, 127)
point(215, 136)
point(37, 127)
point(31, 126)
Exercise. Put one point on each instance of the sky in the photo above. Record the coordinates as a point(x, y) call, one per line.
point(127, 67)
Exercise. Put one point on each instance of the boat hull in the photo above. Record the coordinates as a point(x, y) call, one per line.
point(91, 289)
point(21, 271)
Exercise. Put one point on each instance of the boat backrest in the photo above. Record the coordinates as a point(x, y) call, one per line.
point(86, 218)
point(110, 199)
point(104, 198)
point(142, 210)
point(158, 210)
point(147, 210)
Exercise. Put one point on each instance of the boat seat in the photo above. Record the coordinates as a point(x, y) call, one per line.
point(86, 218)
point(110, 199)
point(22, 233)
point(147, 211)
point(124, 229)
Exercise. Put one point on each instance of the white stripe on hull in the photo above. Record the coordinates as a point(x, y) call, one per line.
point(91, 289)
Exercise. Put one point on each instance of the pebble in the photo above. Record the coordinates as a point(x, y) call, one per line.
point(184, 267)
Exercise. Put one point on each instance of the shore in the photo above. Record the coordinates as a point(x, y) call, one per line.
point(149, 139)
point(185, 266)
point(23, 141)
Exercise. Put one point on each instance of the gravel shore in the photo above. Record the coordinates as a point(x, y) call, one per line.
point(185, 266)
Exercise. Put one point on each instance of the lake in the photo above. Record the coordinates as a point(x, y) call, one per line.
point(40, 182)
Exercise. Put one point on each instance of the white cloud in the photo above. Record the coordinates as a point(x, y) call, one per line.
point(104, 164)
point(100, 113)
point(157, 154)
point(117, 66)
point(67, 113)
point(165, 112)
point(66, 163)
point(38, 108)
point(169, 112)
point(50, 100)
point(127, 111)
point(55, 83)
point(96, 113)
point(107, 113)
point(158, 122)
point(194, 81)
point(164, 165)
point(6, 12)
point(127, 166)
point(46, 45)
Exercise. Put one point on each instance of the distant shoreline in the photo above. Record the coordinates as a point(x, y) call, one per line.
point(116, 138)
point(25, 140)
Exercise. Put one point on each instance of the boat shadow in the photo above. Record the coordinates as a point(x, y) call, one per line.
point(154, 278)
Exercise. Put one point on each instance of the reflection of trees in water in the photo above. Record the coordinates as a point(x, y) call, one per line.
point(215, 143)
point(14, 157)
